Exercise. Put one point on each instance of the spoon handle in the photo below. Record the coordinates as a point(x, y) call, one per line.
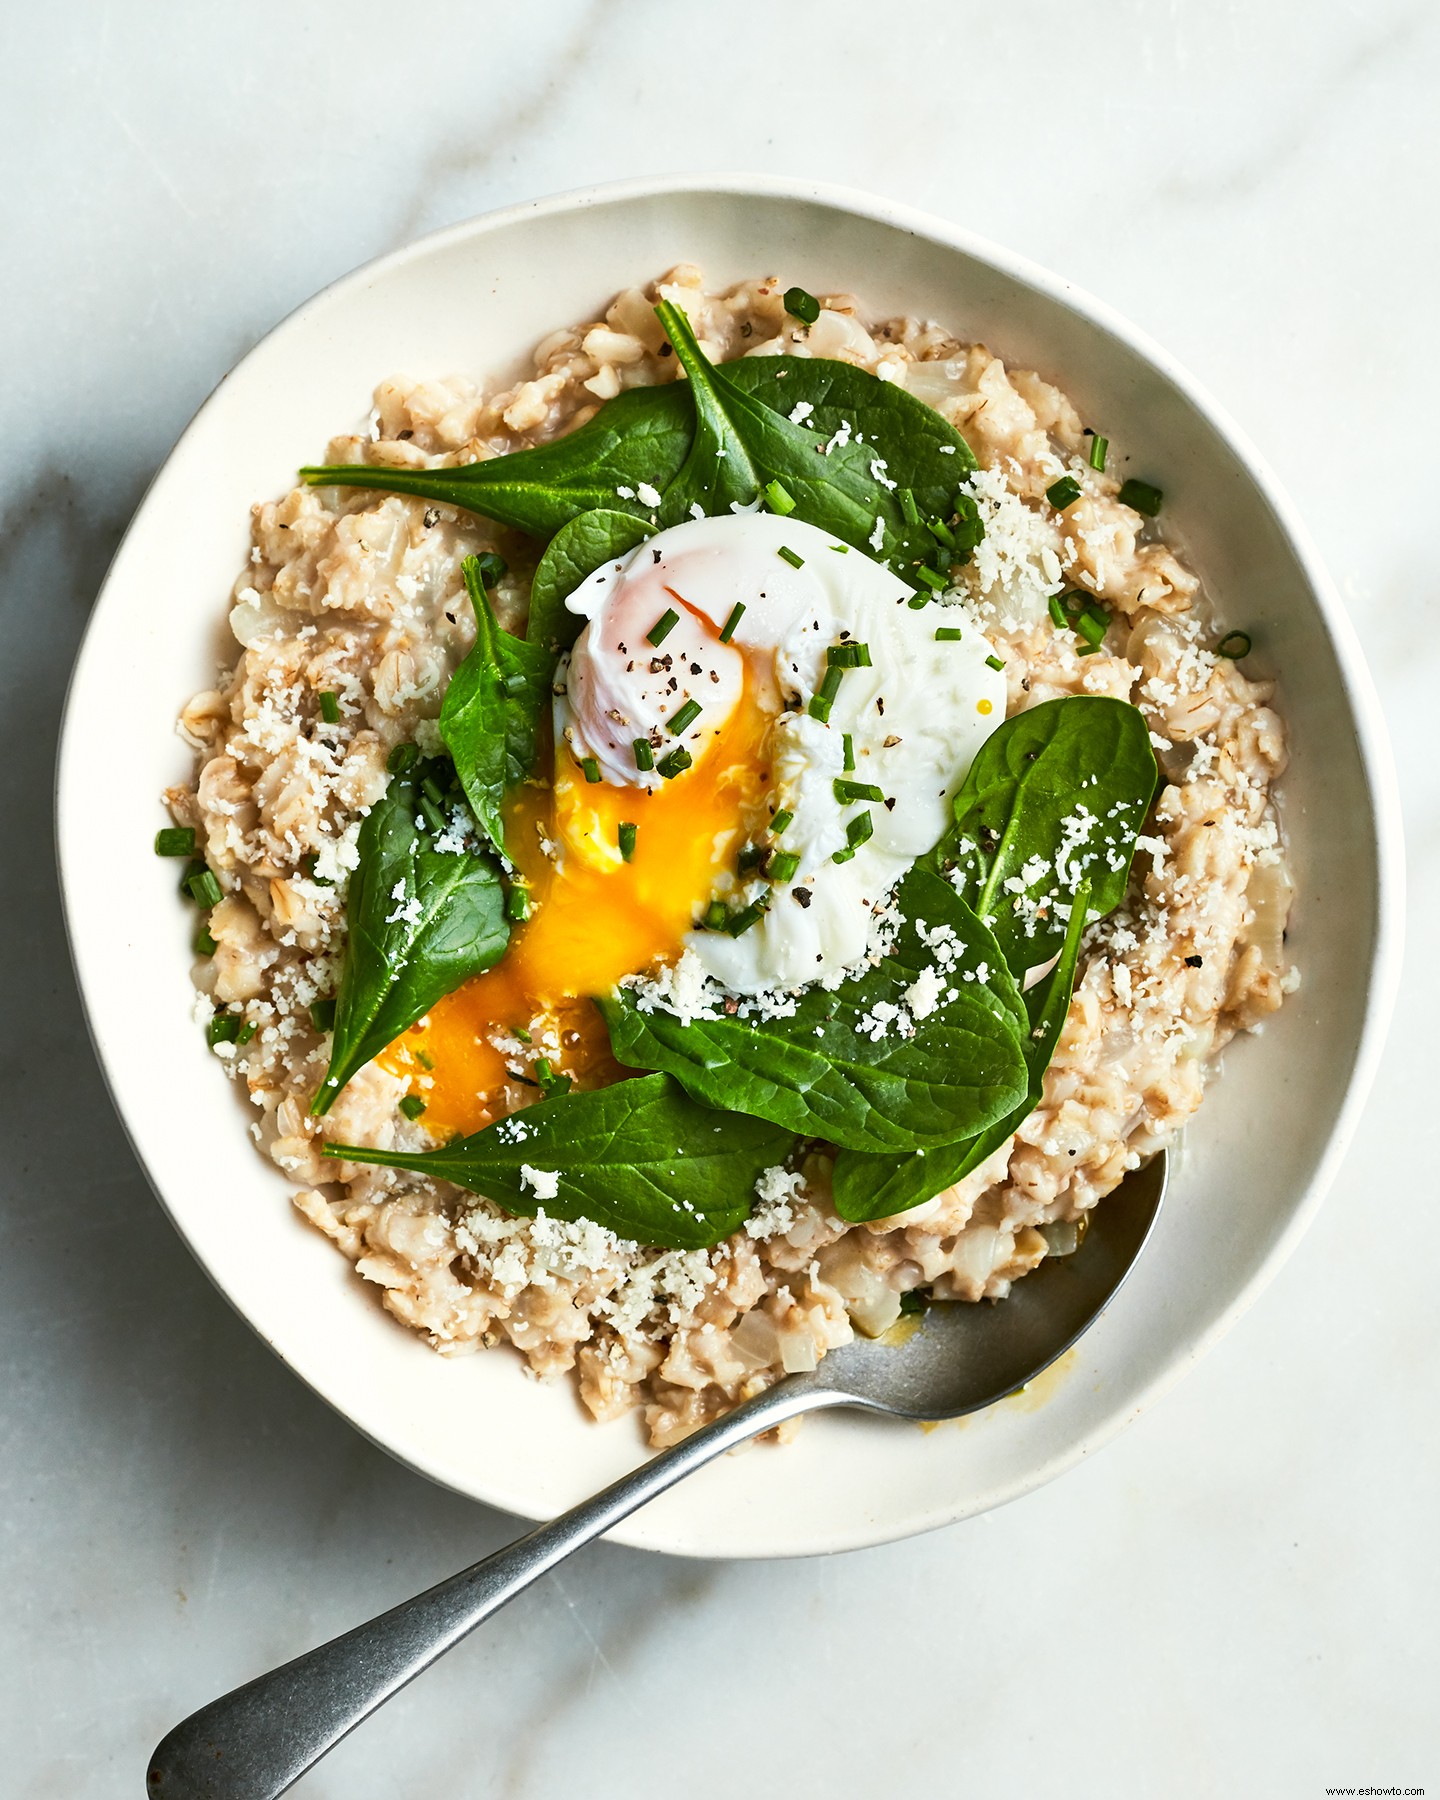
point(251, 1744)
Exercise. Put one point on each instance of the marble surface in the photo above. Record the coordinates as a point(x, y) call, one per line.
point(1238, 1596)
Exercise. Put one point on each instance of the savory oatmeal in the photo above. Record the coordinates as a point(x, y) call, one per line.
point(722, 829)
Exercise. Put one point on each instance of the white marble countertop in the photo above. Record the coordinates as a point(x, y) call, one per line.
point(1239, 1596)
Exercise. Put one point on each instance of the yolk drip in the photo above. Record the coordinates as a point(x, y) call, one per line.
point(593, 918)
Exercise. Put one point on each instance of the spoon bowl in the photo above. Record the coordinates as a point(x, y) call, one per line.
point(253, 1743)
point(964, 1358)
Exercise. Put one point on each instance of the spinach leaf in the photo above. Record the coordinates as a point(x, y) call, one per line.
point(878, 1187)
point(923, 451)
point(1054, 797)
point(577, 550)
point(741, 444)
point(639, 1157)
point(830, 1070)
point(714, 439)
point(490, 719)
point(641, 435)
point(421, 919)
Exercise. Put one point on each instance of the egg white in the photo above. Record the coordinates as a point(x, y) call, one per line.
point(915, 717)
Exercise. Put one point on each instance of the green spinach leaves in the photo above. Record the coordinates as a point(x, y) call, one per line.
point(577, 550)
point(642, 435)
point(425, 913)
point(857, 456)
point(491, 716)
point(853, 1064)
point(877, 1187)
point(640, 1158)
point(1055, 796)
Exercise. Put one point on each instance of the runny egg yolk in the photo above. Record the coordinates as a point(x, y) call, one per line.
point(593, 917)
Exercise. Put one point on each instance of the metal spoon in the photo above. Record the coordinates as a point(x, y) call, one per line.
point(253, 1743)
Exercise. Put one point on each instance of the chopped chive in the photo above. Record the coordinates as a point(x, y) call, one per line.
point(844, 549)
point(1092, 625)
point(247, 1031)
point(939, 530)
point(1058, 613)
point(783, 818)
point(627, 834)
point(994, 662)
point(1064, 492)
point(847, 656)
point(783, 865)
point(1086, 649)
point(1142, 496)
point(737, 613)
point(430, 787)
point(517, 904)
point(750, 858)
point(848, 745)
point(224, 1028)
point(861, 827)
point(662, 627)
point(802, 306)
point(411, 1105)
point(428, 1062)
point(204, 944)
point(330, 707)
point(749, 915)
point(916, 601)
point(969, 526)
point(322, 1015)
point(204, 889)
point(908, 506)
point(591, 768)
point(548, 1081)
point(675, 763)
point(846, 791)
point(779, 499)
point(402, 758)
point(517, 1031)
point(491, 567)
point(830, 681)
point(789, 556)
point(716, 914)
point(948, 634)
point(683, 718)
point(819, 708)
point(432, 815)
point(916, 1300)
point(843, 856)
point(307, 863)
point(175, 840)
point(1098, 447)
point(1234, 645)
point(932, 579)
point(514, 683)
point(644, 755)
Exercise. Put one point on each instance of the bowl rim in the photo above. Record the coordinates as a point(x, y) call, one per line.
point(1356, 683)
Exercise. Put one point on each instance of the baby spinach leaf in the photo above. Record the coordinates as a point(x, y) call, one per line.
point(741, 444)
point(1054, 797)
point(835, 1069)
point(490, 719)
point(878, 1187)
point(421, 921)
point(642, 435)
point(922, 450)
point(577, 550)
point(640, 1157)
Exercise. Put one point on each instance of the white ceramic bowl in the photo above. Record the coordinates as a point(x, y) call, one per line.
point(476, 298)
